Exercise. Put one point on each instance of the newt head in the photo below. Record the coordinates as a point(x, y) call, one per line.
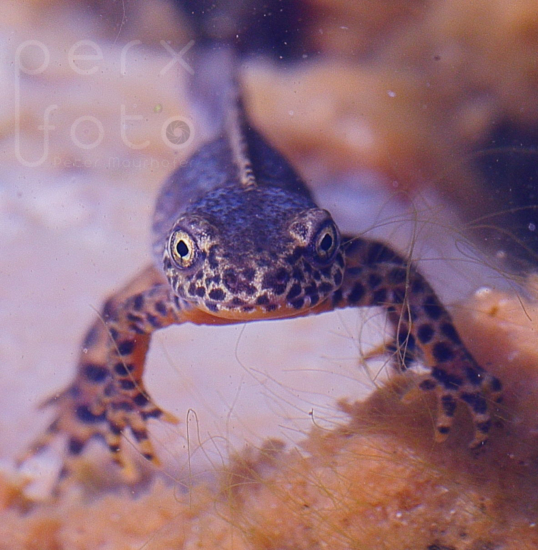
point(255, 253)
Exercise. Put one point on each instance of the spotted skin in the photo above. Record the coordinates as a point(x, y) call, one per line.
point(237, 237)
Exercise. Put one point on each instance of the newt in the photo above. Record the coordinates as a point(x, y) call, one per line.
point(238, 237)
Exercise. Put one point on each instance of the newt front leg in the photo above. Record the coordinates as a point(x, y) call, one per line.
point(376, 275)
point(108, 394)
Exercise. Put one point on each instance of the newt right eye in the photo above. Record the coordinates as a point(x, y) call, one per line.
point(326, 242)
point(182, 249)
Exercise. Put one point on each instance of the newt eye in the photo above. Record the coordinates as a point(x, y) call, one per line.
point(182, 249)
point(326, 242)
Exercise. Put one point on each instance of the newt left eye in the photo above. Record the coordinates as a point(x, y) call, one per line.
point(326, 242)
point(182, 249)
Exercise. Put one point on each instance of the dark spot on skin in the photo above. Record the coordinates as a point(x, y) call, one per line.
point(153, 413)
point(127, 384)
point(450, 332)
point(91, 338)
point(417, 286)
point(192, 289)
point(432, 307)
point(397, 276)
point(200, 291)
point(443, 352)
point(138, 302)
point(114, 448)
point(123, 369)
point(217, 294)
point(483, 427)
point(249, 290)
point(230, 280)
point(317, 275)
point(161, 308)
point(404, 355)
point(379, 253)
point(428, 385)
point(279, 289)
point(109, 309)
point(277, 281)
point(448, 404)
point(199, 275)
point(134, 318)
point(113, 333)
point(406, 339)
point(177, 302)
point(338, 278)
point(298, 304)
point(270, 307)
point(443, 429)
point(262, 300)
point(249, 274)
point(140, 435)
point(380, 296)
point(298, 275)
point(282, 275)
point(153, 320)
point(148, 456)
point(356, 294)
point(114, 428)
point(294, 291)
point(413, 314)
point(212, 259)
point(337, 297)
point(314, 299)
point(448, 381)
point(140, 400)
point(211, 307)
point(121, 406)
point(247, 309)
point(374, 280)
point(476, 401)
point(126, 347)
point(84, 414)
point(496, 385)
point(473, 376)
point(238, 302)
point(311, 289)
point(425, 333)
point(95, 373)
point(307, 268)
point(75, 446)
point(354, 271)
